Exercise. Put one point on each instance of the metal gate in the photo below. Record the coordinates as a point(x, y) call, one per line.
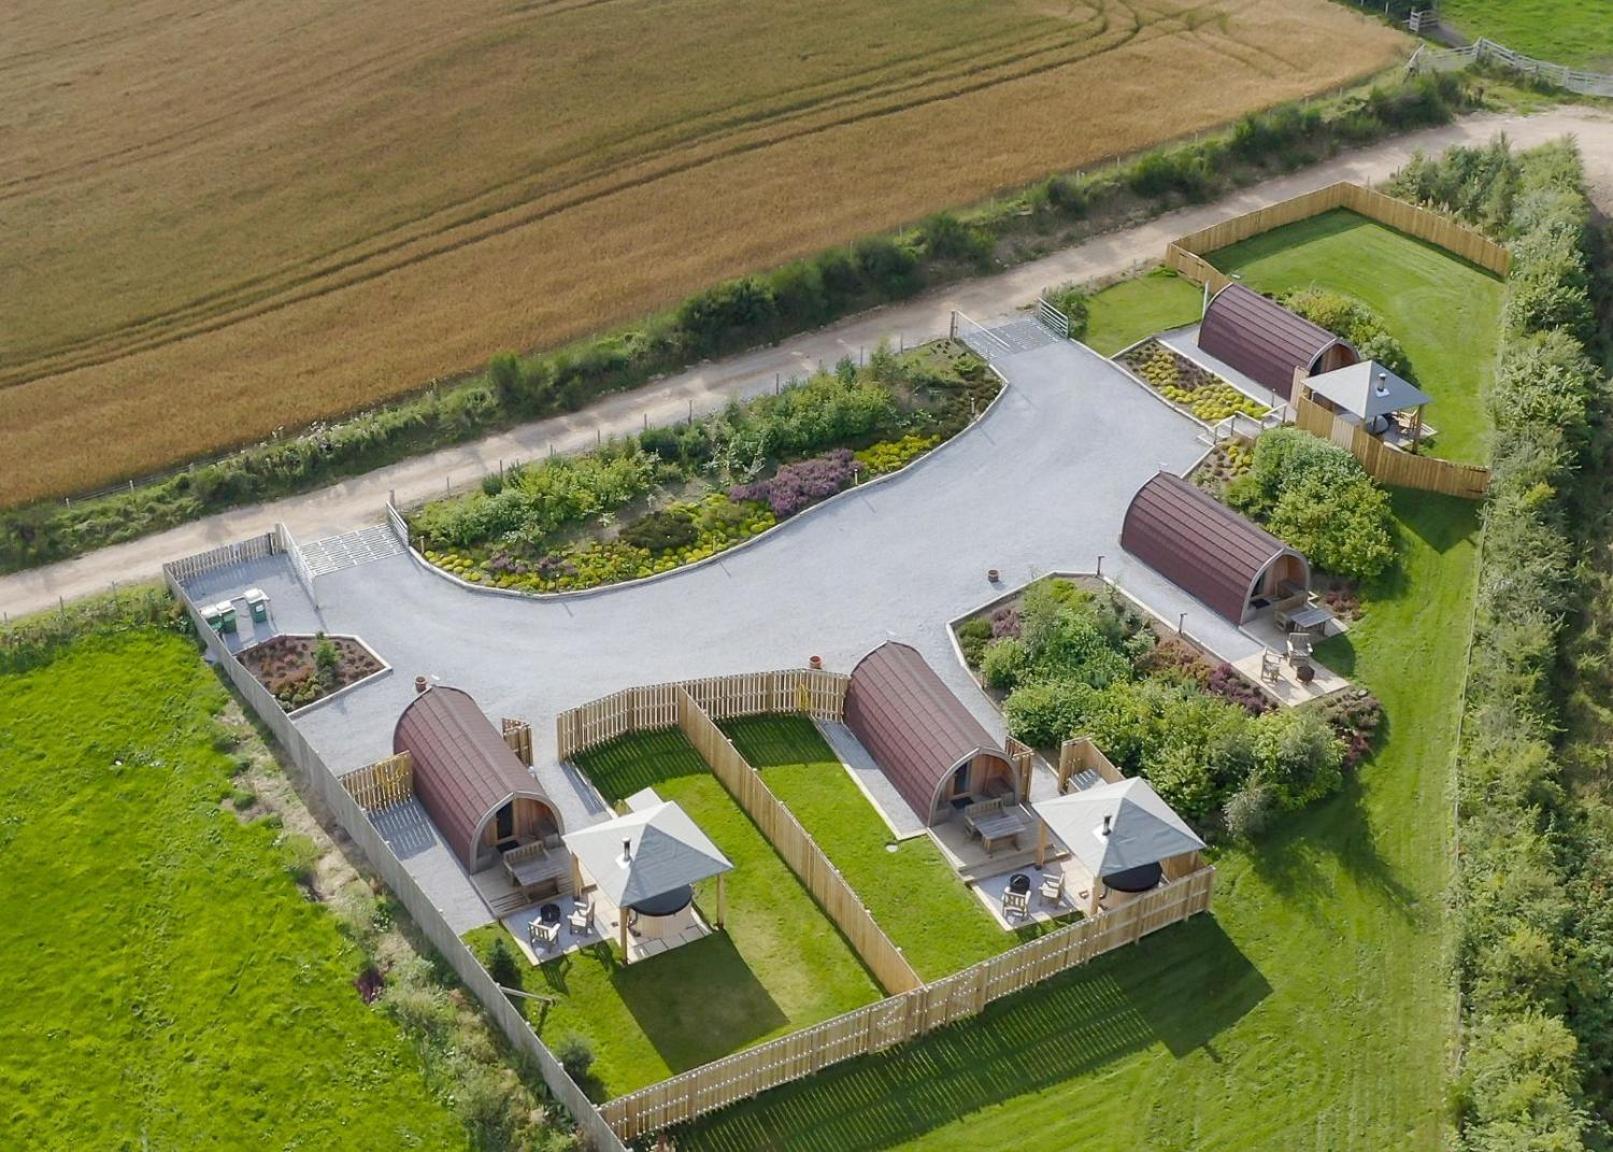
point(1054, 320)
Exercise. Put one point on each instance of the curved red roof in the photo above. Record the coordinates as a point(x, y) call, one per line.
point(1199, 544)
point(1262, 339)
point(916, 730)
point(463, 770)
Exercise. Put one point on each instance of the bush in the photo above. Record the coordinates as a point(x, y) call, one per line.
point(502, 965)
point(504, 373)
point(887, 265)
point(575, 1056)
point(796, 487)
point(326, 661)
point(729, 314)
point(664, 530)
point(1071, 300)
point(1349, 319)
point(973, 636)
point(1300, 759)
point(1004, 664)
point(945, 237)
point(1047, 713)
point(1250, 811)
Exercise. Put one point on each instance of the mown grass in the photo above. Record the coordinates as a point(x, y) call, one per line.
point(261, 231)
point(168, 985)
point(779, 966)
point(1578, 33)
point(913, 892)
point(1311, 1010)
point(1445, 312)
point(1124, 313)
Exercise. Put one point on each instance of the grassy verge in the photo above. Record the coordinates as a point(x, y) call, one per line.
point(1445, 312)
point(913, 892)
point(1311, 1011)
point(169, 985)
point(779, 966)
point(1124, 313)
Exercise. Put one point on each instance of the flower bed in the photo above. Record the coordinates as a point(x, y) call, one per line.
point(1201, 392)
point(675, 496)
point(298, 670)
point(1225, 463)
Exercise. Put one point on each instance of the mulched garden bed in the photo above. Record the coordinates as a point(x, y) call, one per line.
point(1185, 384)
point(288, 667)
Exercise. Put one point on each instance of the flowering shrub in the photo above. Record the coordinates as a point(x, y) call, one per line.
point(1227, 682)
point(889, 455)
point(1005, 622)
point(795, 487)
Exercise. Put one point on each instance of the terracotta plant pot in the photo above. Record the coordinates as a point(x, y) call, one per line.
point(419, 684)
point(816, 662)
point(993, 575)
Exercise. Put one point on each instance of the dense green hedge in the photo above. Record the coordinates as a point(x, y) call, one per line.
point(1534, 981)
point(739, 313)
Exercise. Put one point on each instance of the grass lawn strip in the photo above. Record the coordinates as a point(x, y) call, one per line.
point(913, 893)
point(1309, 1011)
point(780, 966)
point(1124, 313)
point(169, 985)
point(1445, 313)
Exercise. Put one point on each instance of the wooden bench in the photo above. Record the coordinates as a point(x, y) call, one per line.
point(540, 868)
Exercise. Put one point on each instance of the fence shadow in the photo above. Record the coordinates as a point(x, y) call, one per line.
point(698, 1002)
point(406, 829)
point(1180, 989)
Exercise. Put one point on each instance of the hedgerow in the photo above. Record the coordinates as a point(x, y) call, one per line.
point(1533, 967)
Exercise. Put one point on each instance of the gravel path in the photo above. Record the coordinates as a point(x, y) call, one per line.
point(708, 387)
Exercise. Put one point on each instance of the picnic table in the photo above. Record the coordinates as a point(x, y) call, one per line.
point(1308, 617)
point(1003, 824)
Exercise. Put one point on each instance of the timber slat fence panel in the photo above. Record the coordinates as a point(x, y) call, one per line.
point(806, 691)
point(252, 548)
point(796, 847)
point(1077, 755)
point(1385, 464)
point(596, 1133)
point(896, 1020)
point(382, 784)
point(518, 735)
point(1187, 254)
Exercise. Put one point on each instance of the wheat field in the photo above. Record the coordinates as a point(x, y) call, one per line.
point(221, 217)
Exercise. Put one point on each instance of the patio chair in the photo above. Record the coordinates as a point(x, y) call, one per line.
point(1016, 904)
point(1271, 667)
point(582, 916)
point(1299, 649)
point(1052, 890)
point(541, 935)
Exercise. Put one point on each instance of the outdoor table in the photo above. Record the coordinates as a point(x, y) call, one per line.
point(1310, 617)
point(1004, 824)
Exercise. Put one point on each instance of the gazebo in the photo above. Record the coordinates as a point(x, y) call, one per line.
point(1370, 395)
point(1122, 833)
point(647, 862)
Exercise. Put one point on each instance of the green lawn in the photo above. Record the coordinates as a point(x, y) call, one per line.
point(1124, 313)
point(1310, 1011)
point(913, 892)
point(1578, 33)
point(1445, 313)
point(780, 965)
point(168, 985)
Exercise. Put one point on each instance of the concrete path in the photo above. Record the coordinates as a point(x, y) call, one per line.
point(708, 387)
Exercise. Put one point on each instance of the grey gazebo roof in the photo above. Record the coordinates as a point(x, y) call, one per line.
point(1367, 390)
point(1143, 829)
point(665, 851)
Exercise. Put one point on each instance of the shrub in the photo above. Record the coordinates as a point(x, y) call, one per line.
point(795, 487)
point(502, 965)
point(1046, 714)
point(973, 636)
point(1071, 300)
point(504, 373)
point(663, 530)
point(1004, 664)
point(1063, 195)
point(1250, 811)
point(487, 1105)
point(887, 265)
point(326, 661)
point(730, 313)
point(575, 1056)
point(1352, 320)
point(1346, 530)
point(1300, 759)
point(945, 237)
point(799, 296)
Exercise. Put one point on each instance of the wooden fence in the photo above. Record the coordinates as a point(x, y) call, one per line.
point(1186, 254)
point(899, 1019)
point(1385, 464)
point(796, 848)
point(382, 784)
point(324, 786)
point(518, 735)
point(805, 691)
point(1079, 754)
point(252, 548)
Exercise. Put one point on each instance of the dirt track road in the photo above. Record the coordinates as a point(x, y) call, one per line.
point(707, 387)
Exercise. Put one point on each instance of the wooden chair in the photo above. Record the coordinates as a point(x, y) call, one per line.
point(1271, 667)
point(1016, 904)
point(1299, 648)
point(582, 916)
point(542, 936)
point(1052, 890)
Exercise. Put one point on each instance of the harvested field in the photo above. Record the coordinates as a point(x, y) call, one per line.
point(251, 216)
